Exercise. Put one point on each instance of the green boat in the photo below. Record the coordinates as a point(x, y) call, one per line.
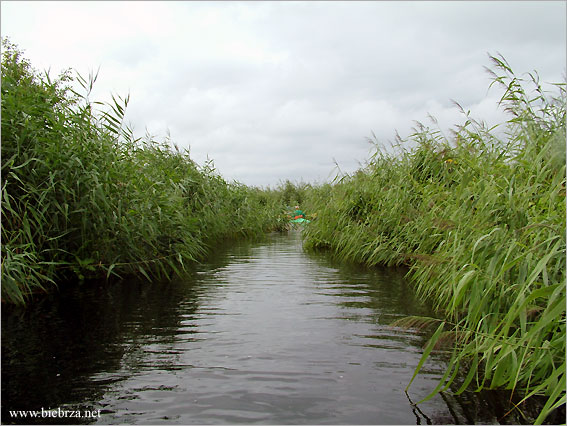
point(300, 220)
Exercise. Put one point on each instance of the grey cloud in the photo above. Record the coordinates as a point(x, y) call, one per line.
point(277, 90)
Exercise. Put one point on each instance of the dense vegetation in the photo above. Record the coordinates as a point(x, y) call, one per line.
point(479, 218)
point(81, 197)
point(481, 221)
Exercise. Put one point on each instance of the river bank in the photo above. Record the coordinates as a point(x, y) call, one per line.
point(83, 198)
point(481, 222)
point(479, 219)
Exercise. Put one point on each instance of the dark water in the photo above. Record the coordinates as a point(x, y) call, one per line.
point(263, 333)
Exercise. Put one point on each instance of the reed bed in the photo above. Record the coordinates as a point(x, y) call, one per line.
point(83, 198)
point(480, 220)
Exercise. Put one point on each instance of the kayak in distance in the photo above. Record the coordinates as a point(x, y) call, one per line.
point(300, 220)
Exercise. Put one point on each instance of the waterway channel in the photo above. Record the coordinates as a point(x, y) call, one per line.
point(261, 333)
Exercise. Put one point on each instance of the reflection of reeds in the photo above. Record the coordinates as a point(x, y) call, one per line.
point(82, 197)
point(481, 221)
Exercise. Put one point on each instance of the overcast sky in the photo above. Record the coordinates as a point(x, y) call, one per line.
point(281, 90)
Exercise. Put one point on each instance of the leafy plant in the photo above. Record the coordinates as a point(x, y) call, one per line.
point(481, 222)
point(82, 197)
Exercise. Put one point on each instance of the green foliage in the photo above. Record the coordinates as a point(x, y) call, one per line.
point(81, 197)
point(481, 222)
point(293, 194)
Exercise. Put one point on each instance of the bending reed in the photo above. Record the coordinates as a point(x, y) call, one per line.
point(81, 197)
point(481, 221)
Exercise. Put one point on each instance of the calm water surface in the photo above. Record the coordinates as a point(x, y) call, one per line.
point(262, 333)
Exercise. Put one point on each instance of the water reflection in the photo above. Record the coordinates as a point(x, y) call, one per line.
point(262, 333)
point(66, 349)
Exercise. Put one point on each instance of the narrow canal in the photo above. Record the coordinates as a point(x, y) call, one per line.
point(262, 333)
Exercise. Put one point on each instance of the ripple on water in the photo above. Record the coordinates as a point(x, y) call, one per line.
point(262, 333)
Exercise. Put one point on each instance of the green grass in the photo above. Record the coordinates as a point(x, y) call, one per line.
point(481, 222)
point(81, 197)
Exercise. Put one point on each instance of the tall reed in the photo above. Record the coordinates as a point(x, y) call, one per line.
point(481, 221)
point(82, 197)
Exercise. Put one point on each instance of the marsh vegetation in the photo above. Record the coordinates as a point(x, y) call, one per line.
point(478, 218)
point(82, 197)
